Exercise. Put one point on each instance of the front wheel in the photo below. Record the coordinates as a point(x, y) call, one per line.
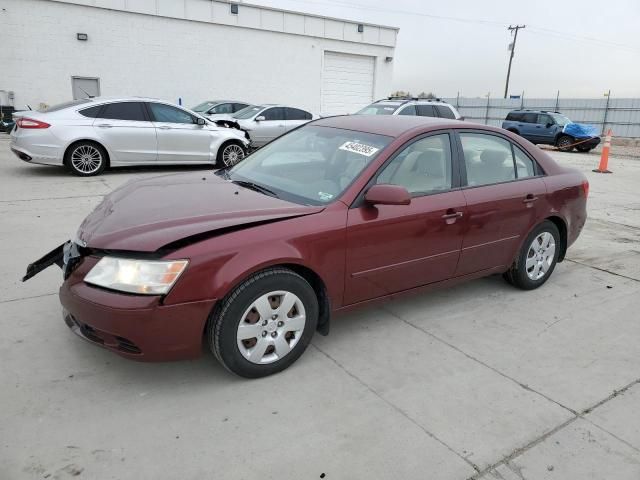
point(564, 143)
point(229, 154)
point(265, 324)
point(86, 159)
point(537, 258)
point(583, 148)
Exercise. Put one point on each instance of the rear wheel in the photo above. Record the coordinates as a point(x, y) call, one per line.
point(229, 154)
point(537, 258)
point(265, 324)
point(86, 159)
point(564, 142)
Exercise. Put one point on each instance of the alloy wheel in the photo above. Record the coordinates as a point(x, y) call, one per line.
point(540, 256)
point(271, 327)
point(86, 159)
point(232, 154)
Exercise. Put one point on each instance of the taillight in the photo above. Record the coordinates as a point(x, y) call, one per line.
point(585, 188)
point(31, 123)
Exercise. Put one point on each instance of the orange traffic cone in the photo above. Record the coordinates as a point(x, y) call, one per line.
point(604, 158)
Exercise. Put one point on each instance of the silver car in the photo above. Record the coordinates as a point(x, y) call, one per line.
point(88, 135)
point(263, 123)
point(214, 109)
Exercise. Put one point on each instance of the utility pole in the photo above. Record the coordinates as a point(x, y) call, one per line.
point(514, 32)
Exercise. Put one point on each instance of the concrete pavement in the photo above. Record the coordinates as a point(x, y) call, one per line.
point(478, 381)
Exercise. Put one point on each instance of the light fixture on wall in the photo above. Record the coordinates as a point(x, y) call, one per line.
point(388, 59)
point(234, 9)
point(83, 37)
point(360, 28)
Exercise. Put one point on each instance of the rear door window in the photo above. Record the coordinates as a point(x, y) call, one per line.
point(132, 111)
point(222, 108)
point(488, 159)
point(297, 114)
point(91, 112)
point(444, 111)
point(426, 111)
point(408, 110)
point(529, 118)
point(275, 113)
point(239, 106)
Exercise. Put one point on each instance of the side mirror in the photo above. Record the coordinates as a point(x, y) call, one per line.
point(200, 121)
point(386, 194)
point(260, 118)
point(549, 125)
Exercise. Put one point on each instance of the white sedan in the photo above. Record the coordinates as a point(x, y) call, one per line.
point(91, 134)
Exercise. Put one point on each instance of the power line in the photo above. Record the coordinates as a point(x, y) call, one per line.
point(533, 29)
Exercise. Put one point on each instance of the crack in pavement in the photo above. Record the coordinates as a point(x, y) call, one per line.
point(28, 298)
point(519, 451)
point(53, 198)
point(396, 408)
point(477, 360)
point(602, 270)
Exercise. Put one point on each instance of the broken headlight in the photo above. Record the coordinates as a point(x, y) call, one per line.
point(145, 277)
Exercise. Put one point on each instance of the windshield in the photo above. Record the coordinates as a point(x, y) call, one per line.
point(246, 112)
point(379, 109)
point(204, 107)
point(61, 106)
point(560, 119)
point(312, 165)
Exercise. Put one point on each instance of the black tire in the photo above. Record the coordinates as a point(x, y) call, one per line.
point(222, 327)
point(583, 148)
point(91, 148)
point(518, 275)
point(222, 160)
point(563, 142)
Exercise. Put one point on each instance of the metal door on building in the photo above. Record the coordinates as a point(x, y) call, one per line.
point(85, 87)
point(347, 83)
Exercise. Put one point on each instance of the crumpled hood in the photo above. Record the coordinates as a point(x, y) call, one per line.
point(148, 214)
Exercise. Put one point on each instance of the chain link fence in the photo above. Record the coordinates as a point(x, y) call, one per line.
point(621, 115)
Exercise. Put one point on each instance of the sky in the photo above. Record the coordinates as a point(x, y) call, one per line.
point(580, 48)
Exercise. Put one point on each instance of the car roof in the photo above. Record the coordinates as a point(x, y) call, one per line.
point(392, 125)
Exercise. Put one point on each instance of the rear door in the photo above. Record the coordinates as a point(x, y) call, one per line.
point(391, 248)
point(180, 138)
point(294, 117)
point(527, 126)
point(271, 127)
point(505, 197)
point(127, 132)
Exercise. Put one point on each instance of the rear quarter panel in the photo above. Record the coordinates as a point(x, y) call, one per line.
point(567, 200)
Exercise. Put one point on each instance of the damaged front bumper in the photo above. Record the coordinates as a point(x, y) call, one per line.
point(66, 256)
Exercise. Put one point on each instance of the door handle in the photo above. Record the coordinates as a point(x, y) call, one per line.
point(451, 217)
point(164, 127)
point(105, 125)
point(529, 199)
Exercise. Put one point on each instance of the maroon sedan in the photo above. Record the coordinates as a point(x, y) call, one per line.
point(338, 213)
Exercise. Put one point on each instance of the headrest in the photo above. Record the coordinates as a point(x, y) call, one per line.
point(493, 157)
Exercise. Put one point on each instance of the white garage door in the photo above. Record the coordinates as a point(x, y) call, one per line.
point(347, 83)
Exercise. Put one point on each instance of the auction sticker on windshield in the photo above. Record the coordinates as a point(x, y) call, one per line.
point(359, 148)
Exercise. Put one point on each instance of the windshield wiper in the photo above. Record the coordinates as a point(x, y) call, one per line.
point(256, 187)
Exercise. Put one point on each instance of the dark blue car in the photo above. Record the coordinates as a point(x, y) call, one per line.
point(539, 126)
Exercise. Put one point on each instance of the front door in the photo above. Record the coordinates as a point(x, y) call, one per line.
point(391, 248)
point(505, 197)
point(124, 128)
point(180, 138)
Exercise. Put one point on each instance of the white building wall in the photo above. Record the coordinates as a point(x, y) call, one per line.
point(276, 57)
